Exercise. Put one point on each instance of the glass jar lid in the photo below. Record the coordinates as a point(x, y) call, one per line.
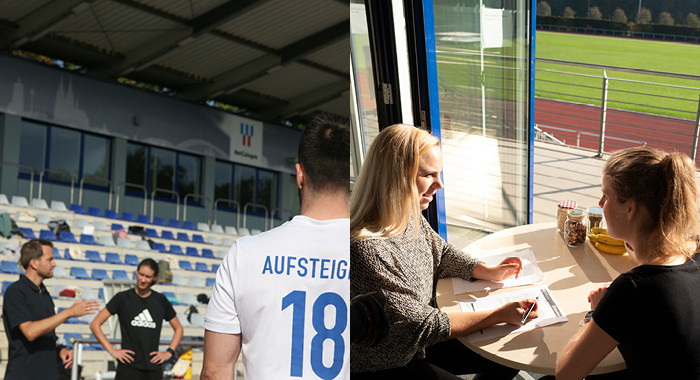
point(595, 211)
point(576, 214)
point(567, 204)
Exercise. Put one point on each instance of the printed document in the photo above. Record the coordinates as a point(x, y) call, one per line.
point(548, 309)
point(531, 274)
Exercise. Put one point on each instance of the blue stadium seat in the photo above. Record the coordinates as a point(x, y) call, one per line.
point(158, 221)
point(206, 252)
point(186, 265)
point(99, 274)
point(111, 214)
point(131, 259)
point(174, 223)
point(87, 239)
point(5, 285)
point(117, 227)
point(151, 232)
point(202, 267)
point(191, 251)
point(56, 255)
point(79, 273)
point(66, 254)
point(210, 282)
point(78, 209)
point(94, 211)
point(189, 225)
point(67, 237)
point(127, 216)
point(112, 258)
point(101, 293)
point(27, 232)
point(93, 256)
point(140, 218)
point(181, 236)
point(171, 297)
point(160, 247)
point(47, 235)
point(175, 249)
point(214, 267)
point(198, 239)
point(166, 234)
point(119, 274)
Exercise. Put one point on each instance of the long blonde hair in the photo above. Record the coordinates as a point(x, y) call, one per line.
point(385, 194)
point(664, 184)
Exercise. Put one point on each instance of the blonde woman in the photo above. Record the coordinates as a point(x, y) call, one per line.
point(651, 313)
point(394, 250)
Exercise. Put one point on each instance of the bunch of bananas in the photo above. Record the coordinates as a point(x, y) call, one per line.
point(606, 244)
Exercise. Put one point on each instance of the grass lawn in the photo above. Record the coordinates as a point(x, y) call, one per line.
point(671, 57)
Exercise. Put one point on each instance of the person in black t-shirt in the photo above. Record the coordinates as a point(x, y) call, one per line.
point(30, 319)
point(141, 313)
point(651, 313)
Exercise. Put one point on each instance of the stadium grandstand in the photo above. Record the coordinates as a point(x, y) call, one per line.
point(163, 129)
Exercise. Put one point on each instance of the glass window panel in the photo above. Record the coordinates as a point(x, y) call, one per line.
point(267, 189)
point(96, 151)
point(222, 184)
point(482, 50)
point(64, 154)
point(32, 147)
point(244, 185)
point(136, 165)
point(188, 176)
point(162, 171)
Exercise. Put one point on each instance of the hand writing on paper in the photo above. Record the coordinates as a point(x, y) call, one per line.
point(513, 312)
point(595, 295)
point(511, 266)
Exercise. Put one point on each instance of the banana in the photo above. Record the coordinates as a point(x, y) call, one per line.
point(605, 239)
point(593, 237)
point(598, 230)
point(611, 249)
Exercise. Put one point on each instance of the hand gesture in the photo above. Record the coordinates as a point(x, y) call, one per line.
point(158, 357)
point(595, 295)
point(511, 266)
point(513, 312)
point(123, 356)
point(81, 308)
point(66, 355)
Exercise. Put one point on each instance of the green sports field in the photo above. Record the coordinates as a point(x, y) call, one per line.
point(669, 57)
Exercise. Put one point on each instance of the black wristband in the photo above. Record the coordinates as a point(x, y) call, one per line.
point(172, 352)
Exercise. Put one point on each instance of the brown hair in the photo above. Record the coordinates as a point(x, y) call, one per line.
point(32, 250)
point(385, 194)
point(664, 184)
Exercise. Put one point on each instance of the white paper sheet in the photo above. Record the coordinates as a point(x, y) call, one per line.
point(531, 274)
point(549, 311)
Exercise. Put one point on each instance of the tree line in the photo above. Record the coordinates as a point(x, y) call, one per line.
point(664, 12)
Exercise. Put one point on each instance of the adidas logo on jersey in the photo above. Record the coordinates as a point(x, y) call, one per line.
point(143, 320)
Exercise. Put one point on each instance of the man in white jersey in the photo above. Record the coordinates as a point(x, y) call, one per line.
point(282, 297)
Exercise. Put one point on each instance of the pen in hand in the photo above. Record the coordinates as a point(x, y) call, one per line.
point(529, 310)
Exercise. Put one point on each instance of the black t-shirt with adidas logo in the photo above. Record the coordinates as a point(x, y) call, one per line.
point(140, 320)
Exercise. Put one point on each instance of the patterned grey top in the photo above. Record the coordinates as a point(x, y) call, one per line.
point(406, 269)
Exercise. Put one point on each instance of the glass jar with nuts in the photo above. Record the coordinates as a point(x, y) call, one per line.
point(575, 228)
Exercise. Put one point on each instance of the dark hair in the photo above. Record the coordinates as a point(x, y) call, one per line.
point(32, 250)
point(149, 263)
point(324, 152)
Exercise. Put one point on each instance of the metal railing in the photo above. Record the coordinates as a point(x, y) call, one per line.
point(192, 195)
point(167, 191)
point(245, 213)
point(121, 184)
point(59, 171)
point(228, 201)
point(278, 210)
point(100, 179)
point(616, 113)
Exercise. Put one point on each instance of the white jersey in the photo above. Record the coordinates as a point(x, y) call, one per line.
point(287, 291)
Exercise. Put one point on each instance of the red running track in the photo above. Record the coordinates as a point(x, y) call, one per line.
point(579, 124)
